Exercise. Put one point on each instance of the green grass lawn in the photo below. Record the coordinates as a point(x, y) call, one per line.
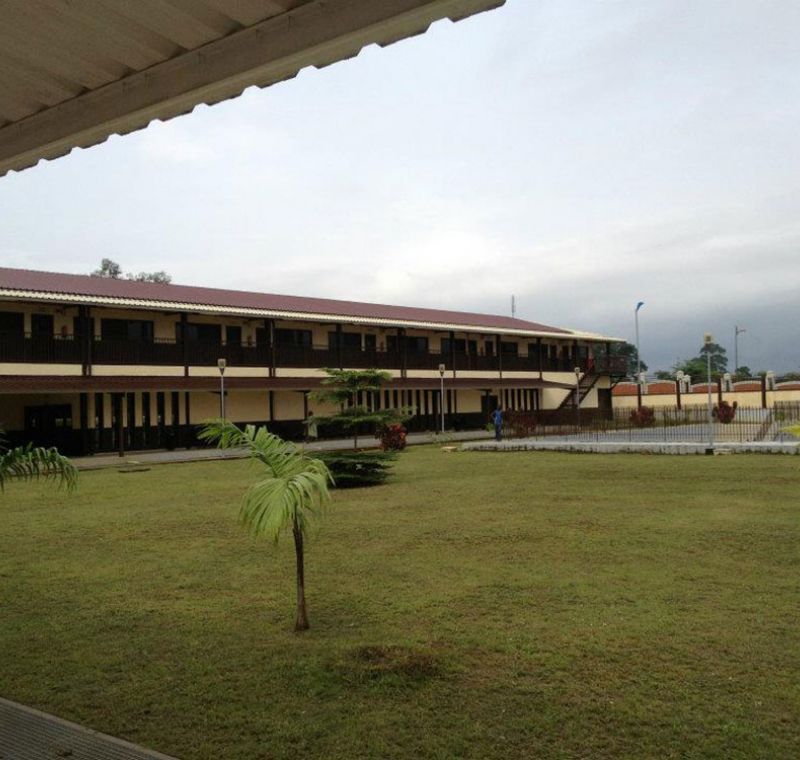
point(478, 606)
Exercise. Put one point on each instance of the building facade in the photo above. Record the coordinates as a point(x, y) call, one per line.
point(91, 364)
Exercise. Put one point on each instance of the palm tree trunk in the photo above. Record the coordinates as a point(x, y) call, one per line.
point(301, 622)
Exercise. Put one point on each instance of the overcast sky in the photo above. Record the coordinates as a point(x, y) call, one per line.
point(580, 155)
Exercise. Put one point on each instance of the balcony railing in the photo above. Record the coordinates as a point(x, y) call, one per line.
point(35, 349)
point(70, 350)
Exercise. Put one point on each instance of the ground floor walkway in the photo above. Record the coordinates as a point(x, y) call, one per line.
point(27, 734)
point(100, 461)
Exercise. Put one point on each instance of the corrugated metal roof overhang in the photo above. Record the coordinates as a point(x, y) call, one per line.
point(138, 303)
point(74, 73)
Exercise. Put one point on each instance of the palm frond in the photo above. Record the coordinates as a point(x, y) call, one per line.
point(31, 463)
point(295, 488)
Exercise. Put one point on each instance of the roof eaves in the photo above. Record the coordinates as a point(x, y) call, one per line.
point(29, 295)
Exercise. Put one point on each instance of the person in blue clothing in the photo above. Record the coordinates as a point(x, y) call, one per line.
point(497, 419)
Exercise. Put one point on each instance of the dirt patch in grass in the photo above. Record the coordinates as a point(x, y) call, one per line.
point(390, 664)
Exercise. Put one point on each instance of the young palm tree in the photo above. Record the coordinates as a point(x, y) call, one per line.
point(30, 463)
point(292, 492)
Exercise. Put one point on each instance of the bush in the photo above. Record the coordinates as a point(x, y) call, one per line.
point(725, 413)
point(357, 469)
point(392, 437)
point(643, 417)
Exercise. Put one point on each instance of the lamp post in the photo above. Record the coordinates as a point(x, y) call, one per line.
point(638, 355)
point(441, 392)
point(221, 364)
point(708, 339)
point(737, 331)
point(577, 371)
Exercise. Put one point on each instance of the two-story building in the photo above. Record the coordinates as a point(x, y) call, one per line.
point(91, 364)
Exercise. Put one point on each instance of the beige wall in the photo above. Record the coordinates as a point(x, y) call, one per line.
point(745, 398)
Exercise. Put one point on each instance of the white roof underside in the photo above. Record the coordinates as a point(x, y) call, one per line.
point(73, 72)
point(296, 316)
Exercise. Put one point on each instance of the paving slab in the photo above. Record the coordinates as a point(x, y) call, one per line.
point(28, 734)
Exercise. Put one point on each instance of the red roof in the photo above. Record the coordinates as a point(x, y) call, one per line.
point(89, 287)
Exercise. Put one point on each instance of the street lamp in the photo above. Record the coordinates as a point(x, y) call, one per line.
point(221, 364)
point(577, 371)
point(638, 355)
point(442, 369)
point(737, 331)
point(708, 339)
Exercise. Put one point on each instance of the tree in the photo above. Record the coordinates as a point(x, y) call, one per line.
point(698, 366)
point(743, 373)
point(292, 492)
point(108, 269)
point(663, 374)
point(160, 277)
point(113, 271)
point(629, 352)
point(31, 463)
point(344, 387)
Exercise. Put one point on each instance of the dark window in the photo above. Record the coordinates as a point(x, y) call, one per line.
point(262, 336)
point(126, 329)
point(509, 349)
point(349, 340)
point(160, 409)
point(233, 335)
point(131, 415)
point(488, 347)
point(77, 327)
point(391, 343)
point(175, 409)
point(370, 342)
point(46, 418)
point(198, 332)
point(42, 325)
point(12, 323)
point(297, 338)
point(99, 411)
point(473, 347)
point(145, 409)
point(459, 344)
point(417, 345)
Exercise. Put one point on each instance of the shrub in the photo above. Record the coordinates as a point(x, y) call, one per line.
point(725, 413)
point(357, 469)
point(392, 437)
point(643, 417)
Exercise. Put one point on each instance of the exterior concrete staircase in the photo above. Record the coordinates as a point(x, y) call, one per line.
point(586, 383)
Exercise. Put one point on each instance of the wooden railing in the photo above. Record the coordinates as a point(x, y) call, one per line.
point(73, 350)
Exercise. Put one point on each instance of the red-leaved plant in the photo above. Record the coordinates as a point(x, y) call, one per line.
point(725, 412)
point(393, 437)
point(643, 417)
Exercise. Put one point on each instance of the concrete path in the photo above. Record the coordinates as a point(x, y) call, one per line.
point(27, 734)
point(134, 458)
point(633, 447)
